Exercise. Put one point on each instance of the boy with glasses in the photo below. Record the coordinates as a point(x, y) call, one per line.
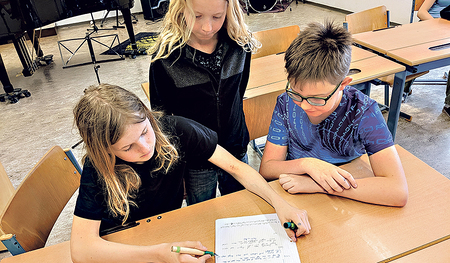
point(320, 122)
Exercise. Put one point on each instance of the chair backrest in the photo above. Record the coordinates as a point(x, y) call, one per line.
point(40, 198)
point(258, 112)
point(146, 88)
point(7, 189)
point(6, 192)
point(275, 40)
point(416, 4)
point(367, 20)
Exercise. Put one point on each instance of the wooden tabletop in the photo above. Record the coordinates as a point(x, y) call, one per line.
point(266, 70)
point(424, 34)
point(422, 53)
point(433, 254)
point(343, 230)
point(372, 68)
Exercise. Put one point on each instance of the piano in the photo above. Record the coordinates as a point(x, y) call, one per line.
point(20, 17)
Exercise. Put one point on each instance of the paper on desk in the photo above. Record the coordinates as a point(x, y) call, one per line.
point(259, 238)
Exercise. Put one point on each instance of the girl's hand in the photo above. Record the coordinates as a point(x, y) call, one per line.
point(330, 177)
point(173, 257)
point(288, 213)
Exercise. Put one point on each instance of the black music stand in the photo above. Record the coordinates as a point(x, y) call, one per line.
point(88, 39)
point(117, 20)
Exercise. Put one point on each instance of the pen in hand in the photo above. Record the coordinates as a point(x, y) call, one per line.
point(290, 225)
point(192, 251)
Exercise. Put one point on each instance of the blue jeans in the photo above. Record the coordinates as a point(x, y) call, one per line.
point(201, 184)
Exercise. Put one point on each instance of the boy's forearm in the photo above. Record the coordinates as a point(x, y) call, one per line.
point(272, 169)
point(378, 190)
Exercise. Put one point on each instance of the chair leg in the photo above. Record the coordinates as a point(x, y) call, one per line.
point(386, 95)
point(258, 148)
point(11, 243)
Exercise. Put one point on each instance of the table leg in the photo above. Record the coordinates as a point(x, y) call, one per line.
point(396, 101)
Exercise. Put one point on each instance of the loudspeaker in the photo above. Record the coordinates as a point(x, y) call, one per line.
point(154, 9)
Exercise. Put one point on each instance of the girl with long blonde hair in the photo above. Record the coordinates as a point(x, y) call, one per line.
point(134, 168)
point(199, 69)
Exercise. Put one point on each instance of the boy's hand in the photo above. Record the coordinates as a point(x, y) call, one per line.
point(330, 177)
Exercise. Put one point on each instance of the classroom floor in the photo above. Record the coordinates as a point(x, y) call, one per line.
point(32, 126)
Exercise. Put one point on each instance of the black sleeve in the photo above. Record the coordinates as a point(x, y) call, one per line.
point(197, 142)
point(245, 74)
point(158, 80)
point(91, 201)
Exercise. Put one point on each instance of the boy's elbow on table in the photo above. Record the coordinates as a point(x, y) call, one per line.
point(401, 196)
point(77, 255)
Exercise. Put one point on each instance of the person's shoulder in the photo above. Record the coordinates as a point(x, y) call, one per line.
point(89, 176)
point(175, 55)
point(182, 124)
point(282, 100)
point(356, 96)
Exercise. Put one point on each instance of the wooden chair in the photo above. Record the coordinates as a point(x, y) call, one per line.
point(146, 88)
point(376, 19)
point(416, 4)
point(367, 20)
point(258, 110)
point(276, 40)
point(7, 190)
point(33, 209)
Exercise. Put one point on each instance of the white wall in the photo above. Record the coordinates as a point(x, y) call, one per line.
point(400, 10)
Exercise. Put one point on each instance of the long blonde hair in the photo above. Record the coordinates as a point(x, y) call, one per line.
point(101, 116)
point(175, 32)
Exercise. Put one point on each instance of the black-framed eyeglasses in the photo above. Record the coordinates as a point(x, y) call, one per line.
point(315, 101)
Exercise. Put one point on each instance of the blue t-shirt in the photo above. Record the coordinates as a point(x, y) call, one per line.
point(436, 8)
point(354, 128)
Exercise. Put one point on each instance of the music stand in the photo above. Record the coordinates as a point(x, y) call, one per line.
point(117, 21)
point(89, 39)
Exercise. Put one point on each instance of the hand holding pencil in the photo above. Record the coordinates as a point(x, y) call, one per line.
point(191, 251)
point(188, 251)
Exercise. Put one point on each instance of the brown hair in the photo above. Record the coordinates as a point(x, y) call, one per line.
point(101, 116)
point(319, 53)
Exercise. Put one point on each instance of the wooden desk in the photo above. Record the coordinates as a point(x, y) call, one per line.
point(433, 254)
point(266, 70)
point(405, 35)
point(409, 45)
point(343, 230)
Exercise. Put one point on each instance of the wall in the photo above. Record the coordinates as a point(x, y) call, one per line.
point(400, 10)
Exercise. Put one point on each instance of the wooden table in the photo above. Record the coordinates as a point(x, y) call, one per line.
point(414, 45)
point(343, 230)
point(268, 79)
point(433, 253)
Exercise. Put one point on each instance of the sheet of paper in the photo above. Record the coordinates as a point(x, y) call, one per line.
point(259, 238)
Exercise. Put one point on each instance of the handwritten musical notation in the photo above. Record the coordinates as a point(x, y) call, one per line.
point(259, 238)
